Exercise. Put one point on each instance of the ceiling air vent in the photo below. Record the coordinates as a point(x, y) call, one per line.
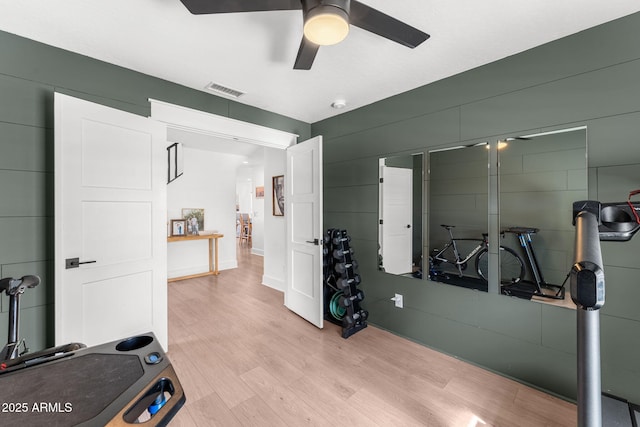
point(223, 90)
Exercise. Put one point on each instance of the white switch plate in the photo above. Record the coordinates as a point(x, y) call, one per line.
point(399, 301)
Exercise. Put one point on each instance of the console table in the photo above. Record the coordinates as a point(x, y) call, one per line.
point(213, 254)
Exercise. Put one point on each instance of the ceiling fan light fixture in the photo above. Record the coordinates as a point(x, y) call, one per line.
point(326, 25)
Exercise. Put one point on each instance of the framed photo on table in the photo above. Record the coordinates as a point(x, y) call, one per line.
point(195, 220)
point(178, 227)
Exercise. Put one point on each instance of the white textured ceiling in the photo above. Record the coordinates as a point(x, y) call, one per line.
point(254, 52)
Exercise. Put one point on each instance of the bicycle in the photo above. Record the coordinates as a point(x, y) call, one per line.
point(511, 265)
point(15, 354)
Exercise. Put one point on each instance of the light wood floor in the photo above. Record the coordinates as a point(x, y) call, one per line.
point(245, 360)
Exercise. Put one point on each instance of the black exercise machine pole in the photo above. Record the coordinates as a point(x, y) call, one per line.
point(587, 292)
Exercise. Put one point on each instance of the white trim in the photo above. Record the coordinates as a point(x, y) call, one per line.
point(273, 283)
point(183, 118)
point(259, 252)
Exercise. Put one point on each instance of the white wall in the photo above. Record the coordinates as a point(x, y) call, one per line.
point(274, 226)
point(257, 237)
point(208, 182)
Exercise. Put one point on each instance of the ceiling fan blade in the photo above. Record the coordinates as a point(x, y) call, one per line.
point(200, 7)
point(384, 25)
point(306, 54)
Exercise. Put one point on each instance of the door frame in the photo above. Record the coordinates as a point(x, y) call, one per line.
point(188, 119)
point(195, 121)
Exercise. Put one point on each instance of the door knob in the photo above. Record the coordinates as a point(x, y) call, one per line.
point(75, 263)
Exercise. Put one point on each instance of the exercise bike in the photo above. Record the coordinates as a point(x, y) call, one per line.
point(525, 289)
point(15, 354)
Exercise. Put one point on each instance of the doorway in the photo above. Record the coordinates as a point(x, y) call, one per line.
point(205, 136)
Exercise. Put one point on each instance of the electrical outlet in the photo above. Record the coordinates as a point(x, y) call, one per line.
point(399, 301)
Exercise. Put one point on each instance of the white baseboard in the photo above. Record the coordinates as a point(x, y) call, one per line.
point(257, 251)
point(274, 283)
point(228, 264)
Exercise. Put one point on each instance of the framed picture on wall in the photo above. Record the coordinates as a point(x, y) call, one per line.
point(278, 195)
point(194, 219)
point(260, 192)
point(178, 227)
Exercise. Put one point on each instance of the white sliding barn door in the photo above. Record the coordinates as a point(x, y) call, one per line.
point(110, 217)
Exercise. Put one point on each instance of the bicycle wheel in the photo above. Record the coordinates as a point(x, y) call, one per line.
point(511, 265)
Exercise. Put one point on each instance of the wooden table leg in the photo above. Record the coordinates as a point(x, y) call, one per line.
point(216, 259)
point(211, 256)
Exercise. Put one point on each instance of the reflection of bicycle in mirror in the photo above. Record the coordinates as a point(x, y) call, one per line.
point(445, 262)
point(449, 261)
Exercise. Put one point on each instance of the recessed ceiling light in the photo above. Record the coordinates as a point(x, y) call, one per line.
point(338, 104)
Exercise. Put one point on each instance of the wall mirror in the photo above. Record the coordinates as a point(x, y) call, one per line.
point(400, 209)
point(540, 177)
point(458, 183)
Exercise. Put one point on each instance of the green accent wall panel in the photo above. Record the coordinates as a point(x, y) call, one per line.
point(559, 328)
point(620, 343)
point(444, 301)
point(363, 171)
point(24, 239)
point(524, 318)
point(621, 254)
point(554, 180)
point(605, 92)
point(31, 193)
point(622, 293)
point(614, 140)
point(358, 198)
point(23, 102)
point(70, 72)
point(619, 381)
point(412, 135)
point(589, 50)
point(615, 183)
point(587, 79)
point(25, 148)
point(357, 224)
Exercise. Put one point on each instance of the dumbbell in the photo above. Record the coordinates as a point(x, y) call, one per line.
point(339, 253)
point(340, 236)
point(359, 316)
point(345, 283)
point(346, 301)
point(341, 267)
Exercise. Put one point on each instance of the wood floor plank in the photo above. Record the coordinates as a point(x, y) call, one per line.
point(246, 360)
point(283, 400)
point(256, 413)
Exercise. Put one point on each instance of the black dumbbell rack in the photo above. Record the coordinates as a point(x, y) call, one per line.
point(341, 294)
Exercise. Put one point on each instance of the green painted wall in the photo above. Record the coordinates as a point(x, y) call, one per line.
point(587, 79)
point(30, 72)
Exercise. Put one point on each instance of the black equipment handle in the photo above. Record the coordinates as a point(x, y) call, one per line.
point(587, 275)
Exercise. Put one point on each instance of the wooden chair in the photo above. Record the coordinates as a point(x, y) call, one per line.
point(245, 228)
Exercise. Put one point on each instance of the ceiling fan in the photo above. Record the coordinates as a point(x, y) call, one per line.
point(326, 22)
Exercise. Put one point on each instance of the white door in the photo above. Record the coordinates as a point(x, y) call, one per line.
point(303, 215)
point(110, 217)
point(397, 213)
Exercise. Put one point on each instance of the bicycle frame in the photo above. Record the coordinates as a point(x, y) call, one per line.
point(459, 262)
